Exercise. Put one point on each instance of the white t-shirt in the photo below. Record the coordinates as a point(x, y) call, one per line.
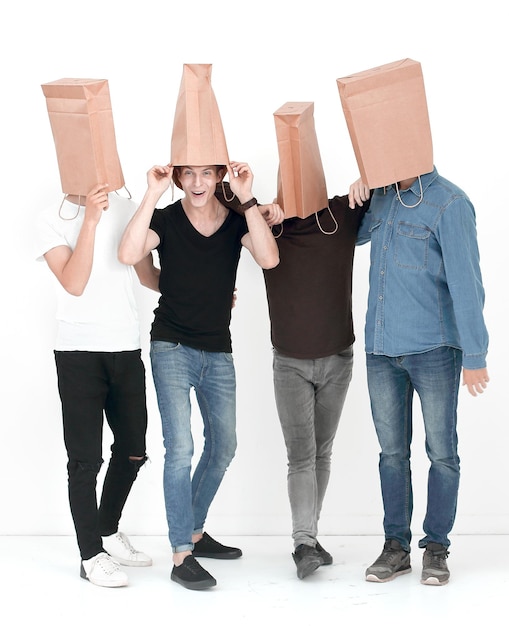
point(104, 318)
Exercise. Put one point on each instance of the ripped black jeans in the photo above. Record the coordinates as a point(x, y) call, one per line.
point(93, 385)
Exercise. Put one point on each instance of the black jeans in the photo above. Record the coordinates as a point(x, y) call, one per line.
point(93, 385)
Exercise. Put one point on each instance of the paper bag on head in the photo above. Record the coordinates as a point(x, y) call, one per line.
point(387, 117)
point(198, 136)
point(82, 124)
point(301, 182)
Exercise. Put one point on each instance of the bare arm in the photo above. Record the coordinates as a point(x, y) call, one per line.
point(148, 273)
point(259, 240)
point(138, 239)
point(73, 267)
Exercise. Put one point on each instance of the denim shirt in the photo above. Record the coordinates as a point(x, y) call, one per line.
point(425, 284)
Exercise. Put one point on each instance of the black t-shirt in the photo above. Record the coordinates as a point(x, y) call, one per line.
point(197, 279)
point(310, 292)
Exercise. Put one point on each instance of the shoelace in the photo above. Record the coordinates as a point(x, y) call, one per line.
point(193, 566)
point(126, 543)
point(437, 559)
point(108, 565)
point(385, 557)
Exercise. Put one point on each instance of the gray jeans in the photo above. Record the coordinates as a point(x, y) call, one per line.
point(310, 394)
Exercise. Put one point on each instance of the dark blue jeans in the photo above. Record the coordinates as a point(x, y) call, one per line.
point(435, 376)
point(93, 385)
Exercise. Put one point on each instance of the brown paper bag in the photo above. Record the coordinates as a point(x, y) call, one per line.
point(387, 118)
point(198, 136)
point(301, 182)
point(82, 124)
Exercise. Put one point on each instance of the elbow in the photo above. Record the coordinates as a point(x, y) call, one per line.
point(146, 283)
point(126, 259)
point(123, 258)
point(74, 287)
point(74, 290)
point(270, 262)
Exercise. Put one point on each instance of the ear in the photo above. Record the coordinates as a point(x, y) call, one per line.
point(221, 172)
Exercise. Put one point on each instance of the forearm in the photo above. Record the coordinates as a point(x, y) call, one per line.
point(75, 274)
point(147, 273)
point(261, 242)
point(133, 245)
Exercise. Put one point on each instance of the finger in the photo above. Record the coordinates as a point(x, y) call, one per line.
point(98, 188)
point(351, 201)
point(241, 168)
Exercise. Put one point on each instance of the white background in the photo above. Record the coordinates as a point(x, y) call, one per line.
point(263, 54)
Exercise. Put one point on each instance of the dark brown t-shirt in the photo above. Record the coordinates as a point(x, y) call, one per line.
point(310, 292)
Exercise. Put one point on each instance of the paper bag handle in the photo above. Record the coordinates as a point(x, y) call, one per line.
point(80, 205)
point(421, 196)
point(325, 232)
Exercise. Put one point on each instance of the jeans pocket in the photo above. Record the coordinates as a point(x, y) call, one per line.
point(228, 356)
point(163, 346)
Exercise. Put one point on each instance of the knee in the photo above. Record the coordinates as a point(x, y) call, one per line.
point(451, 463)
point(223, 456)
point(136, 462)
point(395, 459)
point(302, 454)
point(84, 469)
point(128, 463)
point(230, 450)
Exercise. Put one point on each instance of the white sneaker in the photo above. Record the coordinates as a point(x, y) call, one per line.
point(102, 570)
point(120, 548)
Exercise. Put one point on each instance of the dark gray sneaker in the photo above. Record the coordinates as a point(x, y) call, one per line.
point(326, 556)
point(191, 575)
point(393, 562)
point(434, 565)
point(307, 559)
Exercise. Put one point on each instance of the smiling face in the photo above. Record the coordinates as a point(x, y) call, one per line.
point(199, 181)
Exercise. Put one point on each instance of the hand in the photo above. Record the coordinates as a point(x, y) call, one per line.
point(358, 193)
point(96, 202)
point(159, 177)
point(241, 180)
point(272, 213)
point(475, 380)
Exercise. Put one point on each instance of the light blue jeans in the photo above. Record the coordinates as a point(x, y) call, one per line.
point(176, 369)
point(310, 394)
point(435, 376)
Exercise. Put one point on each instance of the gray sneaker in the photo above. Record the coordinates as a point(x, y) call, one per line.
point(394, 561)
point(307, 559)
point(434, 565)
point(326, 556)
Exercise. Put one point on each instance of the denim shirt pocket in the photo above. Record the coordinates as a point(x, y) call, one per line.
point(411, 246)
point(374, 226)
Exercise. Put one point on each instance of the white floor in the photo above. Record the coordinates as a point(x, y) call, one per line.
point(39, 581)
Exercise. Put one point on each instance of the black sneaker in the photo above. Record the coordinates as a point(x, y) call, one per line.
point(326, 556)
point(191, 575)
point(307, 559)
point(434, 566)
point(394, 561)
point(208, 547)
